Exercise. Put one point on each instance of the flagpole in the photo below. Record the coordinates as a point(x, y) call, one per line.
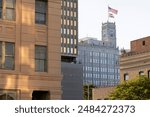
point(108, 14)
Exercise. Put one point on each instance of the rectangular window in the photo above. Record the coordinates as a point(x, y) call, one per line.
point(126, 77)
point(40, 11)
point(10, 9)
point(9, 94)
point(0, 8)
point(7, 53)
point(40, 58)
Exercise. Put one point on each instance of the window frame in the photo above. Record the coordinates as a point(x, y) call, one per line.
point(37, 21)
point(37, 59)
point(4, 56)
point(1, 8)
point(4, 8)
point(141, 73)
point(12, 9)
point(126, 77)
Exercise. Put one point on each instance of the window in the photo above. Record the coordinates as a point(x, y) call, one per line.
point(149, 74)
point(126, 77)
point(141, 73)
point(6, 94)
point(0, 8)
point(40, 58)
point(143, 43)
point(40, 11)
point(9, 9)
point(9, 94)
point(7, 55)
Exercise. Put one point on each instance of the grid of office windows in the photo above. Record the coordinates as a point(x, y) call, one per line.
point(7, 53)
point(41, 11)
point(100, 68)
point(40, 58)
point(69, 27)
point(8, 7)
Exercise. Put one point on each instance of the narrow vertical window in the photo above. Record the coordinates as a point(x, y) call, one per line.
point(10, 9)
point(126, 77)
point(40, 11)
point(40, 58)
point(0, 8)
point(7, 53)
point(143, 43)
point(0, 54)
point(149, 74)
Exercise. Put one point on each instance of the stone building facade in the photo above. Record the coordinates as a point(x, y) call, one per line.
point(137, 61)
point(30, 56)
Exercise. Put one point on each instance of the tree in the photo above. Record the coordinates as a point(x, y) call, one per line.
point(136, 89)
point(88, 91)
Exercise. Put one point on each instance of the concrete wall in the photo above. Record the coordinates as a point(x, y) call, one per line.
point(72, 83)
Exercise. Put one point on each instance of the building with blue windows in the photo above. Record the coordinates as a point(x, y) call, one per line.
point(100, 59)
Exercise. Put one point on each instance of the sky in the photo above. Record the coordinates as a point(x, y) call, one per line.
point(132, 20)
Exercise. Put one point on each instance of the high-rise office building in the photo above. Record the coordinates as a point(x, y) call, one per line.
point(72, 85)
point(100, 59)
point(69, 30)
point(30, 58)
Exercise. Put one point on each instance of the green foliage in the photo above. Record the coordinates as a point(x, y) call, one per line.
point(137, 89)
point(88, 91)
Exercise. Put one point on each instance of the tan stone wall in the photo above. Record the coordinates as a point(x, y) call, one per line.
point(133, 64)
point(102, 93)
point(26, 34)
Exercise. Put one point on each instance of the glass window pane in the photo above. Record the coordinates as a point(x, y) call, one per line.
point(0, 12)
point(0, 48)
point(0, 3)
point(10, 3)
point(40, 18)
point(40, 58)
point(40, 6)
point(9, 63)
point(40, 11)
point(10, 14)
point(9, 49)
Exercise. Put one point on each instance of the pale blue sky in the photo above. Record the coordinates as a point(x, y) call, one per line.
point(132, 20)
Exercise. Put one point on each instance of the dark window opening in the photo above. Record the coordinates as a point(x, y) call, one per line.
point(40, 58)
point(149, 74)
point(40, 11)
point(126, 77)
point(0, 8)
point(7, 55)
point(143, 43)
point(10, 9)
point(141, 73)
point(40, 95)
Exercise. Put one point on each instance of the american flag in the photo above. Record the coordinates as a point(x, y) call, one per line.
point(112, 10)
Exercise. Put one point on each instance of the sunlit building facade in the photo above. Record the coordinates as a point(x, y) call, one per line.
point(72, 86)
point(30, 57)
point(69, 30)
